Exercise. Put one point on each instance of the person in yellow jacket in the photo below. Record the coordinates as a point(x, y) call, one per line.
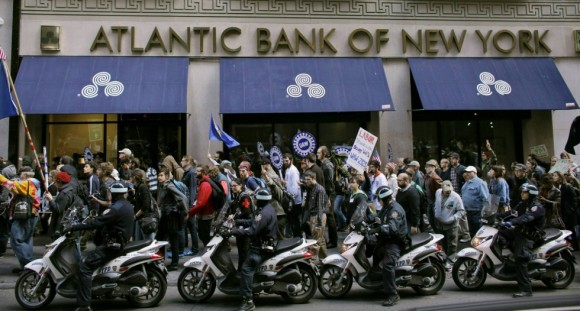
point(22, 230)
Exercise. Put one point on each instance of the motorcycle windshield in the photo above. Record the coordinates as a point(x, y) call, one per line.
point(221, 216)
point(489, 209)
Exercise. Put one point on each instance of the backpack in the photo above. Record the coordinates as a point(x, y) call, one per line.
point(22, 205)
point(218, 195)
point(181, 187)
point(260, 182)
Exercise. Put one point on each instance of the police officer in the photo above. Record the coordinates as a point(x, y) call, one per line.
point(529, 225)
point(393, 236)
point(117, 227)
point(262, 231)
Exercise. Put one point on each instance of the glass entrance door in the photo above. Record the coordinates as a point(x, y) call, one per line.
point(151, 137)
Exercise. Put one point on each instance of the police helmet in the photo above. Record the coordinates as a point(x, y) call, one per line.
point(263, 194)
point(118, 188)
point(384, 192)
point(529, 188)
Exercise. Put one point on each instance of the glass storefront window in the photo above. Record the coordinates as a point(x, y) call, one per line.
point(468, 137)
point(68, 118)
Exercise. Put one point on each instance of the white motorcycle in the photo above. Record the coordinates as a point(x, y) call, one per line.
point(419, 267)
point(138, 275)
point(289, 272)
point(552, 260)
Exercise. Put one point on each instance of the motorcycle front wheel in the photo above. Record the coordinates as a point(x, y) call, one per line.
point(463, 276)
point(157, 287)
point(27, 282)
point(309, 284)
point(190, 289)
point(329, 285)
point(563, 277)
point(436, 284)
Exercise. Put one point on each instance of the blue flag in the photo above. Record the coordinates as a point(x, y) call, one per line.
point(216, 133)
point(7, 106)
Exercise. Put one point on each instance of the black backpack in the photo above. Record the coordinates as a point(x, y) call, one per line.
point(218, 194)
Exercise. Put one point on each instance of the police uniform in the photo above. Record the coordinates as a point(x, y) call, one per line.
point(117, 229)
point(263, 229)
point(393, 234)
point(529, 228)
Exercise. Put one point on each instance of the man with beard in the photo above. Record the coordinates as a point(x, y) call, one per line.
point(291, 179)
point(409, 198)
point(377, 180)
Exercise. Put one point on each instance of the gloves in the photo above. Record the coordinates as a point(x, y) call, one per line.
point(506, 224)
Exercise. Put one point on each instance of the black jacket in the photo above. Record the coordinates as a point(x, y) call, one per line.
point(262, 228)
point(531, 217)
point(393, 224)
point(116, 222)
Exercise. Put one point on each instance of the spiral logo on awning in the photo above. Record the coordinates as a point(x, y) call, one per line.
point(487, 79)
point(304, 80)
point(112, 88)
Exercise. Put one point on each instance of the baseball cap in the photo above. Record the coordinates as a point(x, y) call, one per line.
point(225, 163)
point(126, 151)
point(414, 163)
point(520, 166)
point(471, 169)
point(454, 155)
point(446, 186)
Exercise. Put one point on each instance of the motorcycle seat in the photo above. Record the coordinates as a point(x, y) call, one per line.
point(287, 244)
point(420, 239)
point(552, 234)
point(135, 245)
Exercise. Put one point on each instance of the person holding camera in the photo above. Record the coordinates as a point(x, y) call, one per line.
point(116, 223)
point(262, 231)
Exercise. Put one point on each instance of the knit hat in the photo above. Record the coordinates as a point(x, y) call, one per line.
point(245, 165)
point(62, 177)
point(9, 172)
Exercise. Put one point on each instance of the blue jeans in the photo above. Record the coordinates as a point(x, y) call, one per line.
point(474, 221)
point(247, 274)
point(341, 219)
point(21, 235)
point(191, 227)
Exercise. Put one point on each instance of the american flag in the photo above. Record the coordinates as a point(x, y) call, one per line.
point(376, 156)
point(3, 55)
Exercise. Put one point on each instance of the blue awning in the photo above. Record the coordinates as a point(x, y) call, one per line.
point(278, 85)
point(490, 84)
point(67, 85)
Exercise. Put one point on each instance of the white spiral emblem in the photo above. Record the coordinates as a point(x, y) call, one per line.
point(90, 91)
point(294, 90)
point(316, 90)
point(487, 79)
point(101, 78)
point(484, 89)
point(115, 88)
point(112, 88)
point(502, 87)
point(304, 80)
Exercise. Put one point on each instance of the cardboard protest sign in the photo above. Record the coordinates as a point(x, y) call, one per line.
point(362, 150)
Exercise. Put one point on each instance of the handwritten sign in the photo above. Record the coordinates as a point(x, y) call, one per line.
point(540, 151)
point(563, 165)
point(362, 149)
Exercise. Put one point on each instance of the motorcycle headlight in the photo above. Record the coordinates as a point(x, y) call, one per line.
point(476, 241)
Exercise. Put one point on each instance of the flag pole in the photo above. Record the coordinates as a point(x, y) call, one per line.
point(22, 117)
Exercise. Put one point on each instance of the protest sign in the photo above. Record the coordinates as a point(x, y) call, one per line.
point(362, 149)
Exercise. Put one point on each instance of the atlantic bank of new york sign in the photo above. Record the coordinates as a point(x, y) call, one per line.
point(320, 41)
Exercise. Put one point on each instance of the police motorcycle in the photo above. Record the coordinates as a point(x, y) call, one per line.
point(138, 275)
point(290, 271)
point(552, 261)
point(419, 267)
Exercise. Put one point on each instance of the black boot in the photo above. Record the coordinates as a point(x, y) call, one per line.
point(391, 301)
point(522, 294)
point(247, 305)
